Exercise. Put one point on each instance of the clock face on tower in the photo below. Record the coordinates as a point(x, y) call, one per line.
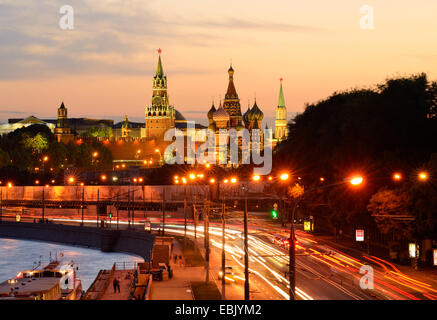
point(157, 100)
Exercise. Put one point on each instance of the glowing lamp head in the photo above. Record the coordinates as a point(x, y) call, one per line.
point(226, 181)
point(355, 181)
point(233, 180)
point(284, 176)
point(256, 178)
point(192, 176)
point(103, 177)
point(423, 176)
point(397, 177)
point(71, 179)
point(184, 180)
point(95, 154)
point(207, 165)
point(212, 180)
point(270, 178)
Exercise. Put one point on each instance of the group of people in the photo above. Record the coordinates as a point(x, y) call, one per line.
point(177, 259)
point(116, 285)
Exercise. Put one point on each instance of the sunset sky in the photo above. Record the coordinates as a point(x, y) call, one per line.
point(104, 67)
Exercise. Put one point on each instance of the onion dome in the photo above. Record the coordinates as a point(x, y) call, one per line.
point(211, 111)
point(245, 119)
point(255, 113)
point(220, 114)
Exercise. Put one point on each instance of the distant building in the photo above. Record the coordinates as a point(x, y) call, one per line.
point(62, 130)
point(281, 129)
point(160, 116)
point(14, 124)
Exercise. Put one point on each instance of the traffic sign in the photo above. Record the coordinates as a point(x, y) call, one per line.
point(359, 235)
point(307, 225)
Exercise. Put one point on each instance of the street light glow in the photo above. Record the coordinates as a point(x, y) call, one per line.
point(192, 176)
point(284, 176)
point(233, 180)
point(95, 154)
point(356, 180)
point(226, 181)
point(256, 178)
point(397, 177)
point(423, 176)
point(212, 180)
point(71, 179)
point(184, 180)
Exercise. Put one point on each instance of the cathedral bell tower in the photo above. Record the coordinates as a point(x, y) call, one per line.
point(231, 103)
point(160, 115)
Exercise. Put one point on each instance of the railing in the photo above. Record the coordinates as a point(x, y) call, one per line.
point(125, 265)
point(107, 282)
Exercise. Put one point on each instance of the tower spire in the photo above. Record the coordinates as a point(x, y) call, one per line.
point(281, 101)
point(159, 70)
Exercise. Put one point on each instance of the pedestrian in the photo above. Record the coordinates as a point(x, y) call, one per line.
point(175, 258)
point(118, 285)
point(180, 260)
point(114, 284)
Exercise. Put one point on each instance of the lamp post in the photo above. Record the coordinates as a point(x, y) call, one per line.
point(354, 181)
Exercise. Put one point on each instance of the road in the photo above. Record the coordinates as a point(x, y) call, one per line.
point(324, 272)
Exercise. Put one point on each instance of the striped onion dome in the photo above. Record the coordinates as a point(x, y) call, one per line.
point(221, 114)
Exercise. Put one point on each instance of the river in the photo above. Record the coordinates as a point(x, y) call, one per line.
point(17, 255)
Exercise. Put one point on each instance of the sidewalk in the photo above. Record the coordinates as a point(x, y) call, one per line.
point(125, 277)
point(178, 287)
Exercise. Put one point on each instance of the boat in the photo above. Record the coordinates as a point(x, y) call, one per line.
point(54, 281)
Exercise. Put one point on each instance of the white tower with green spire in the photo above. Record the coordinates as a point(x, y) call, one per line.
point(281, 129)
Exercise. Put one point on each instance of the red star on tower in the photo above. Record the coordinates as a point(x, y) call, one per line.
point(281, 79)
point(159, 50)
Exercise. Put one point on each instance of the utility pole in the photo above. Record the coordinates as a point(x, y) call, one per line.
point(133, 208)
point(185, 215)
point(116, 208)
point(128, 207)
point(163, 210)
point(83, 201)
point(246, 250)
point(223, 253)
point(206, 234)
point(195, 217)
point(1, 205)
point(43, 204)
point(98, 206)
point(292, 253)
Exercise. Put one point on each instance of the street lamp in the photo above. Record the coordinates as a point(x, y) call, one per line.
point(397, 176)
point(423, 176)
point(354, 181)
